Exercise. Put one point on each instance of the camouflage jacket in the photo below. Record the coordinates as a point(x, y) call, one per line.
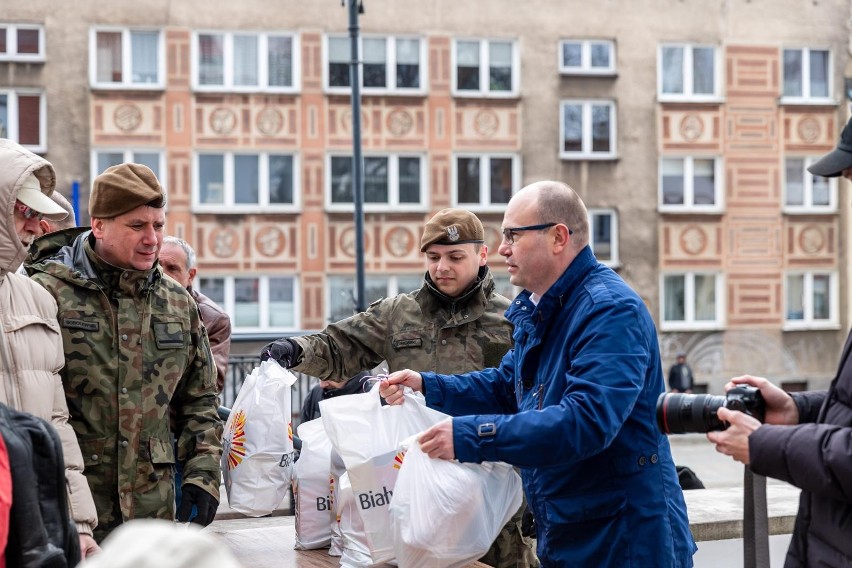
point(134, 347)
point(422, 330)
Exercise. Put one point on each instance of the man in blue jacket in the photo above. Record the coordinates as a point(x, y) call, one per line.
point(573, 404)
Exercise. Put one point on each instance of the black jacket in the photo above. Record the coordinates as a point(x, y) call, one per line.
point(41, 532)
point(816, 456)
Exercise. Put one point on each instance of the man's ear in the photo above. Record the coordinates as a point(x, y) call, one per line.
point(98, 227)
point(561, 237)
point(483, 255)
point(45, 227)
point(192, 273)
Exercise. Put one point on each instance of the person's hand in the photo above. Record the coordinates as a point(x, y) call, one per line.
point(284, 351)
point(204, 502)
point(391, 389)
point(780, 407)
point(734, 441)
point(437, 441)
point(88, 546)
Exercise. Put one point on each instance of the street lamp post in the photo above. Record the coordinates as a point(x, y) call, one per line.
point(356, 7)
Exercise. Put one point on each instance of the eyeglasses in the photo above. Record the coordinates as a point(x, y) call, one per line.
point(28, 212)
point(511, 233)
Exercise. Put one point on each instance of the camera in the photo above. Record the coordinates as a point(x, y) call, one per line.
point(681, 413)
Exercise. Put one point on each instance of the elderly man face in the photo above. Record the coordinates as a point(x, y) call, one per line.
point(173, 260)
point(27, 224)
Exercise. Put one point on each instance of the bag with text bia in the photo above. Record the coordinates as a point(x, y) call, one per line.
point(257, 456)
point(367, 436)
point(311, 488)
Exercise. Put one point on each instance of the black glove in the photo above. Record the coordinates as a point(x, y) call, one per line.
point(285, 351)
point(205, 504)
point(528, 523)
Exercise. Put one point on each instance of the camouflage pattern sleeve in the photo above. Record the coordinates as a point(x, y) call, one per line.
point(345, 348)
point(197, 426)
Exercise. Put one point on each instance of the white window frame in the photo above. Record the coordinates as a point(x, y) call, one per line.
point(128, 157)
point(12, 50)
point(262, 62)
point(808, 207)
point(485, 204)
point(613, 237)
point(688, 186)
point(14, 119)
point(263, 298)
point(586, 153)
point(393, 203)
point(808, 321)
point(126, 59)
point(228, 205)
point(484, 90)
point(689, 323)
point(688, 70)
point(585, 67)
point(390, 66)
point(393, 288)
point(806, 97)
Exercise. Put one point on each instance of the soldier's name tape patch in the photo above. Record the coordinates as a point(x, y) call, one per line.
point(404, 343)
point(74, 323)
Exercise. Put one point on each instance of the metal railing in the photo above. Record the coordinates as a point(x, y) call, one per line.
point(239, 366)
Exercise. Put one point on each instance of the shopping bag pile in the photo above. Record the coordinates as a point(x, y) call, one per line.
point(257, 457)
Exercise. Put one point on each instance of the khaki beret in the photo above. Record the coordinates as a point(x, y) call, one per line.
point(452, 227)
point(122, 188)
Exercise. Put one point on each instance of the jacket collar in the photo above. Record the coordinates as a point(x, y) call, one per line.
point(481, 288)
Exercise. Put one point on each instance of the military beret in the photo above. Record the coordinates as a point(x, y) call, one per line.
point(122, 188)
point(452, 227)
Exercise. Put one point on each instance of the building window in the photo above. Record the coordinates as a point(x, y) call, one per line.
point(486, 180)
point(692, 300)
point(811, 300)
point(805, 192)
point(587, 130)
point(124, 58)
point(688, 73)
point(603, 235)
point(389, 64)
point(807, 75)
point(341, 291)
point(485, 68)
point(23, 118)
point(106, 158)
point(587, 57)
point(237, 183)
point(265, 303)
point(21, 42)
point(245, 62)
point(691, 185)
point(396, 180)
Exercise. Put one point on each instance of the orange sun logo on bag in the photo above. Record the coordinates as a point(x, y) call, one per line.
point(290, 431)
point(397, 461)
point(237, 449)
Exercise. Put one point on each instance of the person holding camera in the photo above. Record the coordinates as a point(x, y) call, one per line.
point(572, 405)
point(806, 438)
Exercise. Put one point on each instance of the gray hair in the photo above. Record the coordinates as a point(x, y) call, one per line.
point(67, 222)
point(188, 250)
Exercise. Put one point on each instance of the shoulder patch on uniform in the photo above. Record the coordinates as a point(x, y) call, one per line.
point(75, 323)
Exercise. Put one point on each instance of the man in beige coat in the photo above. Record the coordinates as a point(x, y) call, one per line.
point(30, 341)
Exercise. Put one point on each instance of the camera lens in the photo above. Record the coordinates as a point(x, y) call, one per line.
point(681, 413)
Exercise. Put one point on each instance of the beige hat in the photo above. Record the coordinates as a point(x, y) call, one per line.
point(122, 188)
point(33, 197)
point(155, 543)
point(452, 227)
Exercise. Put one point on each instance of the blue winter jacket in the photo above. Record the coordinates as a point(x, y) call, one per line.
point(572, 405)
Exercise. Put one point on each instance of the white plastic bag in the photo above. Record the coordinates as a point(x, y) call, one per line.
point(311, 489)
point(337, 470)
point(367, 436)
point(257, 457)
point(447, 514)
point(355, 552)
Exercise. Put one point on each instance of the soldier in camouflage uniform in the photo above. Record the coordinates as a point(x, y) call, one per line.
point(134, 349)
point(453, 324)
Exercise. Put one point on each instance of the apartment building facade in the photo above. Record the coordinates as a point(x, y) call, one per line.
point(686, 126)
